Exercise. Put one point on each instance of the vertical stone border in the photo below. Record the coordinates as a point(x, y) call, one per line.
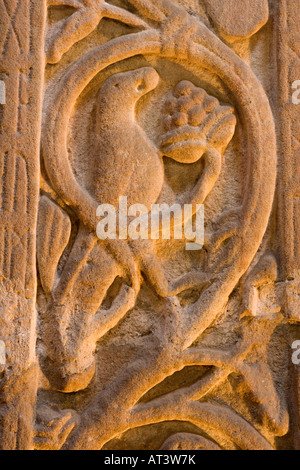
point(287, 17)
point(21, 73)
point(288, 46)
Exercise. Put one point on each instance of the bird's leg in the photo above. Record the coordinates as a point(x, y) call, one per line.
point(212, 169)
point(153, 270)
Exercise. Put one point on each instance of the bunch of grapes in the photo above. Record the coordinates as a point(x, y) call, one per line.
point(193, 121)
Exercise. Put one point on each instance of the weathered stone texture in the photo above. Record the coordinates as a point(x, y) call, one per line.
point(22, 71)
point(129, 343)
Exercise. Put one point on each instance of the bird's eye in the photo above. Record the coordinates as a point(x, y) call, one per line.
point(141, 86)
point(116, 85)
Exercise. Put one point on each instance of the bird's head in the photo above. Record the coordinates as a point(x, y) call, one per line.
point(120, 93)
point(134, 83)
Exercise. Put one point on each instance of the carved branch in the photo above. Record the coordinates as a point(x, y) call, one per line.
point(167, 356)
point(68, 3)
point(150, 9)
point(64, 34)
point(105, 320)
point(223, 422)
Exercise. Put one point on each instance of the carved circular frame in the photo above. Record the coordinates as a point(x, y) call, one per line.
point(260, 156)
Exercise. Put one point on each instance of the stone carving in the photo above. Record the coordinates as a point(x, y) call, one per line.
point(89, 13)
point(194, 124)
point(22, 71)
point(122, 143)
point(231, 26)
point(289, 213)
point(264, 273)
point(158, 101)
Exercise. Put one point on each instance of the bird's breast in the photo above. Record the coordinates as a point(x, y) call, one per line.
point(128, 164)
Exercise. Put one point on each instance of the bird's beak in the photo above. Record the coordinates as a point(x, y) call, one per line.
point(147, 80)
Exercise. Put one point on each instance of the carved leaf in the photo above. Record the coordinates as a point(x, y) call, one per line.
point(259, 380)
point(54, 228)
point(150, 9)
point(238, 19)
point(257, 375)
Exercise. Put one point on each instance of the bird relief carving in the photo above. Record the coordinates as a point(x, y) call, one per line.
point(162, 111)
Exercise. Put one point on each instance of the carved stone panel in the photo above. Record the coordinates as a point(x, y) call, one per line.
point(150, 264)
point(22, 76)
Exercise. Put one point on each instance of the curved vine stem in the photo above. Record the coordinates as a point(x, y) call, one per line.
point(65, 33)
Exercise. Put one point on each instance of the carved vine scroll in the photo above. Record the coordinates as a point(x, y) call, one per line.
point(177, 36)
